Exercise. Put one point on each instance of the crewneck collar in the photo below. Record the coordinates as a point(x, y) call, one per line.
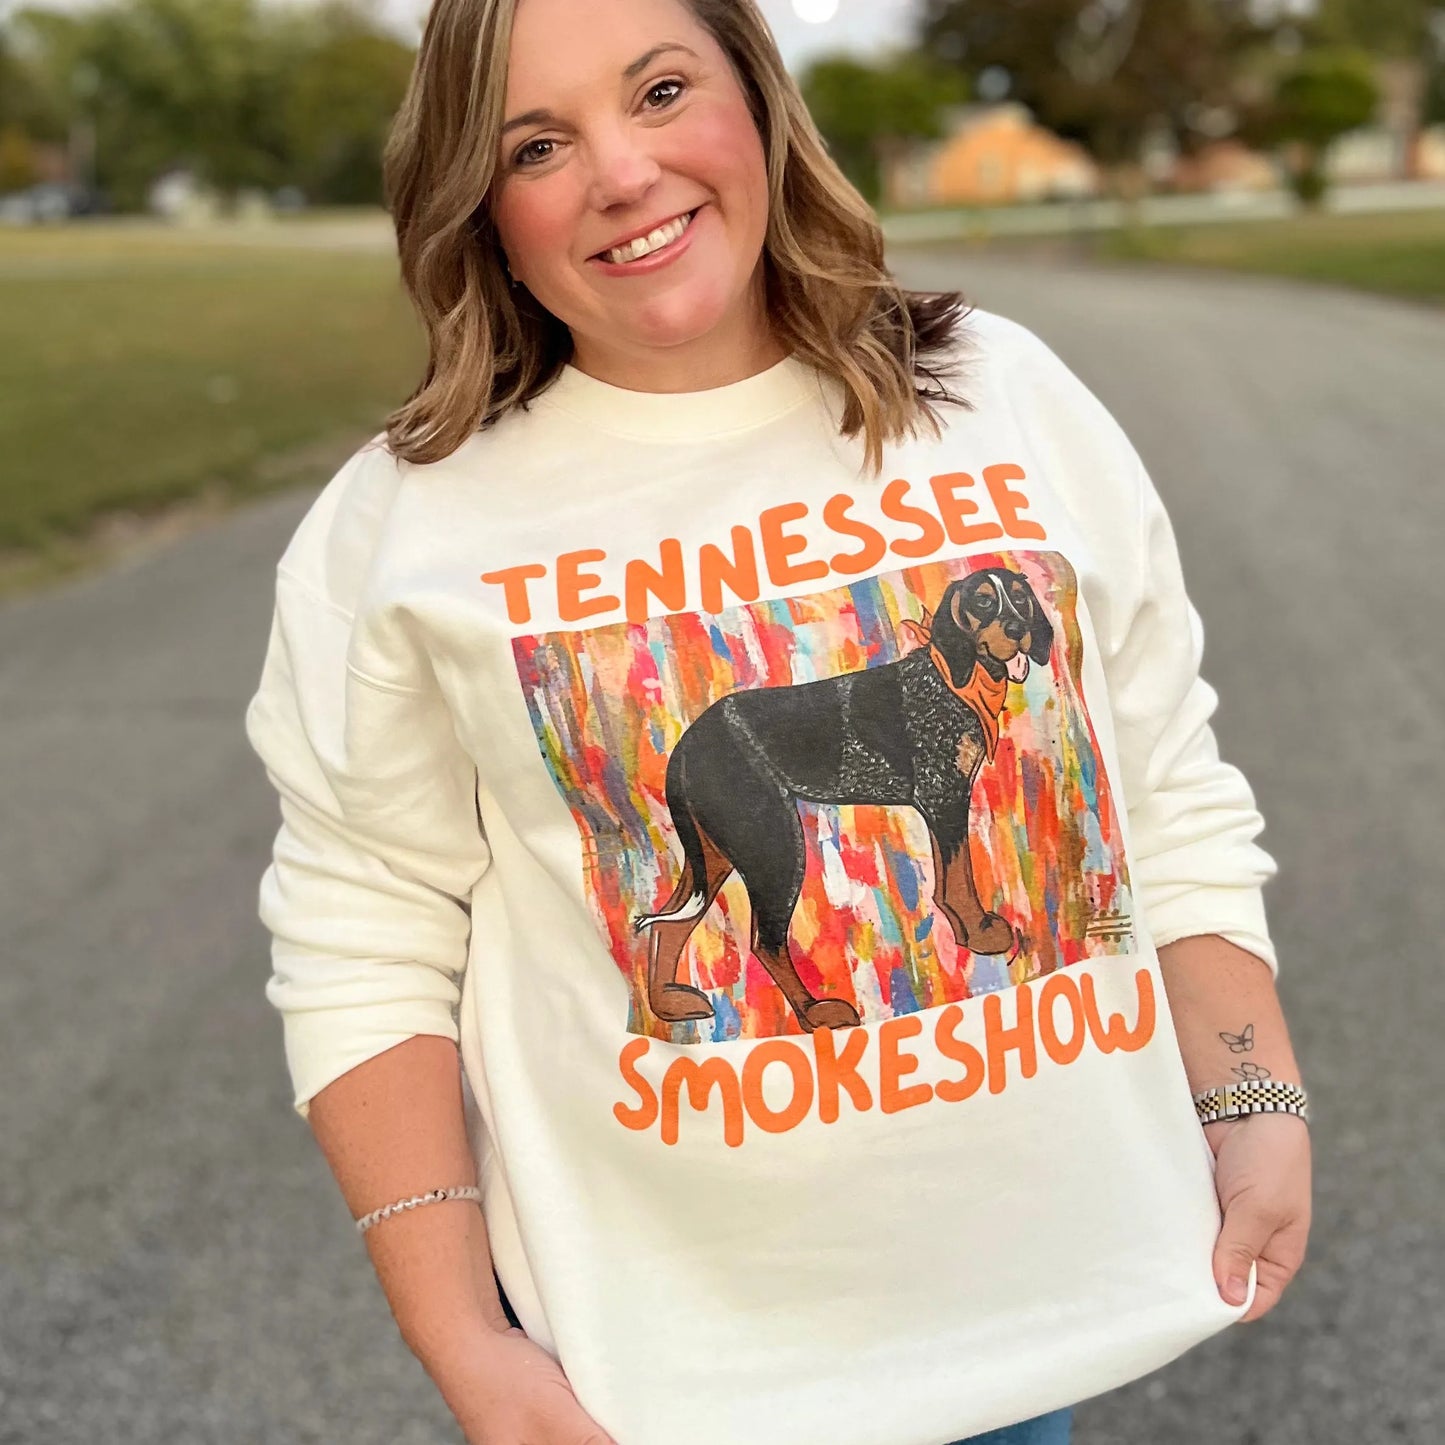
point(685, 415)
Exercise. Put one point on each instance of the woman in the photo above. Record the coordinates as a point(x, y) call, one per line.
point(790, 786)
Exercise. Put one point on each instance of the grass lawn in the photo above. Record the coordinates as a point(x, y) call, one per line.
point(139, 365)
point(142, 365)
point(1396, 254)
point(1401, 254)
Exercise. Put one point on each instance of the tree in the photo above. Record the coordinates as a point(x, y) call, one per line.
point(1433, 103)
point(17, 167)
point(165, 83)
point(1325, 94)
point(865, 110)
point(1383, 27)
point(23, 102)
point(1106, 72)
point(17, 162)
point(346, 83)
point(15, 99)
point(243, 92)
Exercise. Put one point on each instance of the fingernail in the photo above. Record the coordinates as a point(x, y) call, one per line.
point(1236, 1290)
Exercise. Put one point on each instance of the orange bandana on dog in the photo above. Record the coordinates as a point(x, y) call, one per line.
point(983, 693)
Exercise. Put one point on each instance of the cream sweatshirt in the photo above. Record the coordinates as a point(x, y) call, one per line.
point(787, 850)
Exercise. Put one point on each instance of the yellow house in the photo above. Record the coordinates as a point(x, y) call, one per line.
point(1428, 161)
point(992, 155)
point(1225, 165)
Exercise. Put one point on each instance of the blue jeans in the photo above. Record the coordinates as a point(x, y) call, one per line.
point(1050, 1429)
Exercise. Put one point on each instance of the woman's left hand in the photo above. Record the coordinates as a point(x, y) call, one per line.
point(1262, 1175)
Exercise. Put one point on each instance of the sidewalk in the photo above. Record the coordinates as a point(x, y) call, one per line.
point(1073, 217)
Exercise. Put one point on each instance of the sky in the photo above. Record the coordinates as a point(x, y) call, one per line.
point(861, 25)
point(857, 24)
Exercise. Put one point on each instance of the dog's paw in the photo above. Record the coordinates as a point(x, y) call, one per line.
point(994, 934)
point(829, 1013)
point(676, 1003)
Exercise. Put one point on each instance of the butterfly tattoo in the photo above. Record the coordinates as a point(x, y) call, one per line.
point(1240, 1043)
point(1249, 1070)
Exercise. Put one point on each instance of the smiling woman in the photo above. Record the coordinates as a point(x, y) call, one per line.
point(539, 222)
point(664, 133)
point(778, 789)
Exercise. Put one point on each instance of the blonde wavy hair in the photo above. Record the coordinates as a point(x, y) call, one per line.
point(492, 347)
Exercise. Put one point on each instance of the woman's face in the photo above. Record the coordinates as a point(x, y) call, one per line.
point(638, 136)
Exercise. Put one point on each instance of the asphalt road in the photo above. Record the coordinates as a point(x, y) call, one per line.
point(175, 1262)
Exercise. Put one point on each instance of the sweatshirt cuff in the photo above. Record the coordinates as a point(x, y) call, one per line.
point(1235, 914)
point(322, 1044)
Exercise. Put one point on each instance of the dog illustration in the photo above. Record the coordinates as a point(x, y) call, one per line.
point(913, 732)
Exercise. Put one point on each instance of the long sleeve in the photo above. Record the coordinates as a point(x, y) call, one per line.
point(368, 894)
point(1196, 866)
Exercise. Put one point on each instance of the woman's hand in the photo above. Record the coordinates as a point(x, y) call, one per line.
point(1230, 1026)
point(506, 1390)
point(1262, 1175)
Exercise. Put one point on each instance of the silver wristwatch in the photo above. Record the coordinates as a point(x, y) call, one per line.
point(1251, 1096)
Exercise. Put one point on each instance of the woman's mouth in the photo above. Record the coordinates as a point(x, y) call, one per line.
point(662, 242)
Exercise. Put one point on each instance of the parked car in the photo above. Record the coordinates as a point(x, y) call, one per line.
point(50, 202)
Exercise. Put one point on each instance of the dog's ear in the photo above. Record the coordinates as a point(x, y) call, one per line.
point(1043, 632)
point(1043, 638)
point(961, 594)
point(953, 631)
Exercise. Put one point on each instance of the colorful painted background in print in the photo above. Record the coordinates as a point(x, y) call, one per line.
point(609, 704)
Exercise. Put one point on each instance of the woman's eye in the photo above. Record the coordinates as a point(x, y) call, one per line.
point(679, 85)
point(520, 158)
point(526, 156)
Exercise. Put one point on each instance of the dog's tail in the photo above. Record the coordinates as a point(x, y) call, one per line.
point(689, 899)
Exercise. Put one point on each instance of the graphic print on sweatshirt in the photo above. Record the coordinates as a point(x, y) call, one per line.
point(841, 807)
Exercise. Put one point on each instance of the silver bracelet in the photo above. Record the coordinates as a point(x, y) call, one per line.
point(1251, 1096)
point(460, 1191)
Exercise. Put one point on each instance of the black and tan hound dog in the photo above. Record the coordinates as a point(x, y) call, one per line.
point(912, 732)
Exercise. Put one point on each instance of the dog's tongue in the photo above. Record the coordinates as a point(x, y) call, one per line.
point(1018, 667)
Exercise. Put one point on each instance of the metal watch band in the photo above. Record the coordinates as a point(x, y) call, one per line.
point(1251, 1096)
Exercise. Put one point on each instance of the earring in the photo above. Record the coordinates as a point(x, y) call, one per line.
point(506, 266)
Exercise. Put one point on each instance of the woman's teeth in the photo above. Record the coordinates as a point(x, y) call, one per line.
point(645, 245)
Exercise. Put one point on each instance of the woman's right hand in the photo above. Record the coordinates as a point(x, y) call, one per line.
point(507, 1390)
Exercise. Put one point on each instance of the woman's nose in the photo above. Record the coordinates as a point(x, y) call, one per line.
point(623, 170)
